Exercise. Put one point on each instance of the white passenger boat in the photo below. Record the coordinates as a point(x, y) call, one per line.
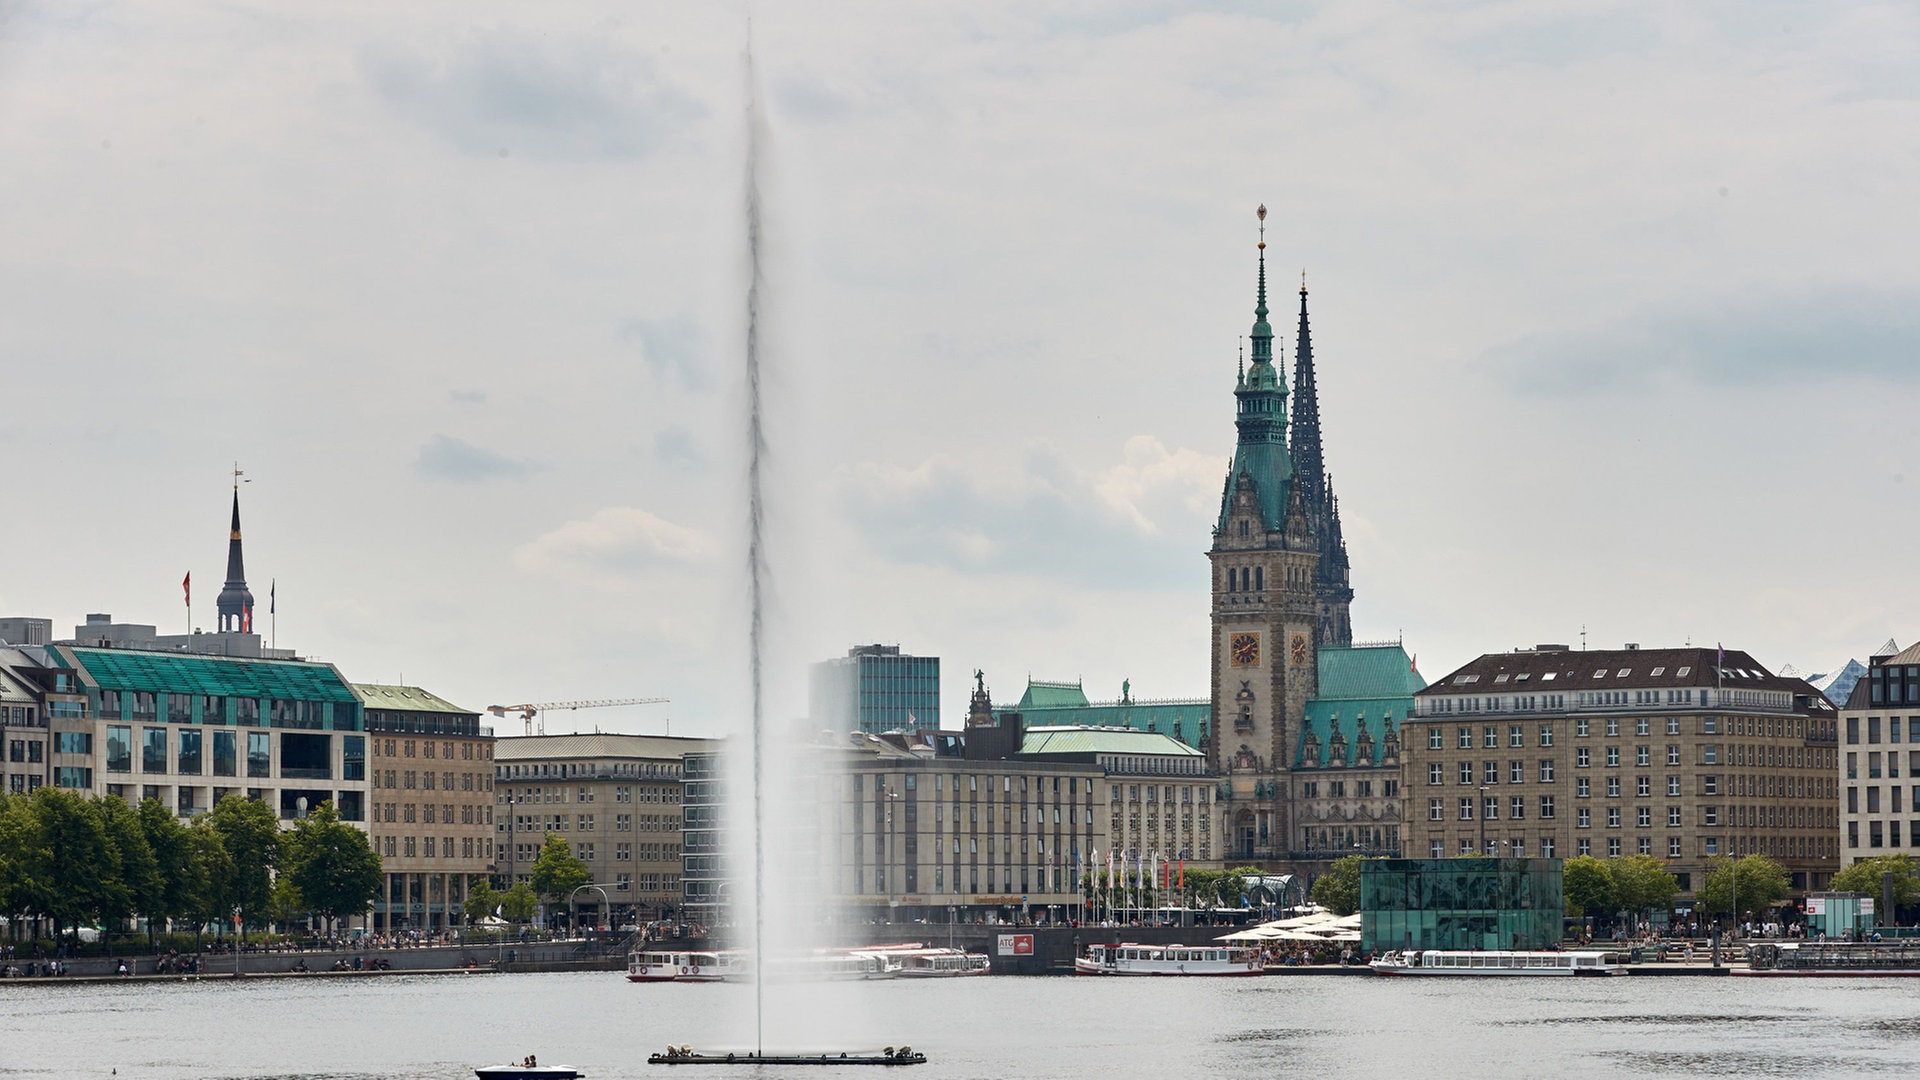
point(917, 962)
point(1493, 962)
point(684, 966)
point(1833, 958)
point(1132, 959)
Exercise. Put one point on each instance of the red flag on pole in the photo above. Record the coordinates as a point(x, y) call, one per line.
point(1183, 875)
point(186, 586)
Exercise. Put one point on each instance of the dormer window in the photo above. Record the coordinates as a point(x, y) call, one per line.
point(1246, 529)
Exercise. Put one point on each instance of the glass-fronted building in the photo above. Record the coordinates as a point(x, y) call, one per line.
point(189, 730)
point(1464, 903)
point(876, 688)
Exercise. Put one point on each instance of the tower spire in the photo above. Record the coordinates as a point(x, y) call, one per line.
point(1261, 417)
point(1333, 591)
point(235, 604)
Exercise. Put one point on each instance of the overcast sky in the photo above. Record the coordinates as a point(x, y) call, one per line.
point(1614, 309)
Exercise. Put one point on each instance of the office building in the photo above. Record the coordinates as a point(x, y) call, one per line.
point(875, 688)
point(1685, 754)
point(431, 814)
point(1880, 759)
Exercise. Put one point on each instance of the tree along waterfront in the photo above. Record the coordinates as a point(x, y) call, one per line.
point(68, 860)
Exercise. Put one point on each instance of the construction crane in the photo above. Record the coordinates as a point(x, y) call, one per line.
point(528, 712)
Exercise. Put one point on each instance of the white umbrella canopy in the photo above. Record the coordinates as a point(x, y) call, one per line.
point(1311, 918)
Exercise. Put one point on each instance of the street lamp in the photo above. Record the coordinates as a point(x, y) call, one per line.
point(886, 861)
point(509, 838)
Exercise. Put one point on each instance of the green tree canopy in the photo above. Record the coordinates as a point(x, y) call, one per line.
point(1338, 890)
point(167, 840)
point(1761, 884)
point(250, 834)
point(332, 864)
point(129, 879)
point(285, 905)
point(482, 898)
point(1588, 886)
point(1641, 884)
point(207, 876)
point(1864, 877)
point(556, 872)
point(24, 859)
point(516, 904)
point(76, 846)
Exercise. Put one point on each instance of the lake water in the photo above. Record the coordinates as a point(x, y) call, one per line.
point(1096, 1029)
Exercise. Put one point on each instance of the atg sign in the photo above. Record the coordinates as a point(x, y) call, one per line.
point(1016, 944)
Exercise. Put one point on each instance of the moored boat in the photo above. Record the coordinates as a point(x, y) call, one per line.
point(685, 966)
point(1175, 960)
point(1833, 958)
point(1496, 962)
point(917, 962)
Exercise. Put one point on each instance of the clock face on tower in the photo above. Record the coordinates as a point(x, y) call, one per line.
point(1244, 650)
point(1299, 649)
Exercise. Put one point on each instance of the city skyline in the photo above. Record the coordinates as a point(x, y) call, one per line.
point(1612, 316)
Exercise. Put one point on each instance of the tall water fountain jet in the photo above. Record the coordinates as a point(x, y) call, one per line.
point(781, 792)
point(756, 557)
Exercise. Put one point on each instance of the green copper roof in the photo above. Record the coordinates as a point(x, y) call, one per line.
point(1367, 671)
point(1260, 458)
point(1051, 695)
point(1083, 740)
point(223, 676)
point(404, 699)
point(1061, 704)
point(1365, 691)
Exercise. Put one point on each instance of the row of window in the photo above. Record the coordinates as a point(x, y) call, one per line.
point(426, 781)
point(1490, 736)
point(1337, 789)
point(1739, 815)
point(469, 847)
point(214, 710)
point(1614, 847)
point(625, 850)
point(976, 880)
point(561, 770)
point(430, 814)
point(622, 793)
point(979, 782)
point(1882, 834)
point(191, 747)
point(427, 747)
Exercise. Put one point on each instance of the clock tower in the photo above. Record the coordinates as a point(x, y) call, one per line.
point(1266, 614)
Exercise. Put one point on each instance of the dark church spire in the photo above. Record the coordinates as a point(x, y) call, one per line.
point(1333, 591)
point(235, 604)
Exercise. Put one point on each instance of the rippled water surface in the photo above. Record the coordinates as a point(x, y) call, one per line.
point(1099, 1029)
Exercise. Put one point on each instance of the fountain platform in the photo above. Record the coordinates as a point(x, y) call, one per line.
point(905, 1055)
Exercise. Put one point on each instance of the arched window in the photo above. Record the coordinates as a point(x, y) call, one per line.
point(1259, 579)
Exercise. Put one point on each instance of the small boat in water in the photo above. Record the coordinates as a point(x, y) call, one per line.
point(1176, 960)
point(527, 1071)
point(1833, 958)
point(1494, 962)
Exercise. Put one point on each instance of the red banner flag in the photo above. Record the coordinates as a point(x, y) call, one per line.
point(186, 586)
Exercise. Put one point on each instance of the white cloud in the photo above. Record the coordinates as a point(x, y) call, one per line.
point(615, 542)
